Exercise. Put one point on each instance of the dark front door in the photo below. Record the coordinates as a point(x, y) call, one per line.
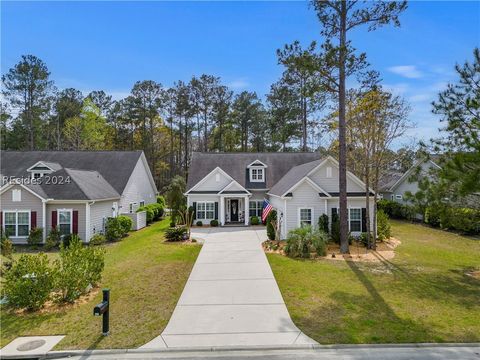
point(233, 210)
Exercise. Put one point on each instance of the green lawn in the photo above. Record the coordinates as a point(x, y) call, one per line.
point(146, 277)
point(422, 295)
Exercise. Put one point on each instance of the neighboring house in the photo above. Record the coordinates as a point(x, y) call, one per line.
point(231, 187)
point(394, 185)
point(75, 191)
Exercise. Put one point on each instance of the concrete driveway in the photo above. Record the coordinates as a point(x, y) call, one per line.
point(231, 297)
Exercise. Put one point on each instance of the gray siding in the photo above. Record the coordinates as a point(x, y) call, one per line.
point(138, 188)
point(28, 202)
point(331, 184)
point(80, 207)
point(304, 196)
point(98, 212)
point(211, 183)
point(412, 187)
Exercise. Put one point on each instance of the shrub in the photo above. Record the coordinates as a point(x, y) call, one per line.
point(383, 226)
point(161, 201)
point(323, 223)
point(113, 229)
point(464, 220)
point(432, 215)
point(214, 223)
point(157, 210)
point(67, 239)
point(97, 239)
point(29, 282)
point(272, 216)
point(78, 268)
point(6, 246)
point(53, 239)
point(35, 236)
point(199, 223)
point(175, 233)
point(150, 213)
point(335, 231)
point(301, 242)
point(125, 224)
point(254, 220)
point(396, 210)
point(172, 224)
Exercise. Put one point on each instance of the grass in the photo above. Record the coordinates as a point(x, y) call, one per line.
point(422, 295)
point(146, 277)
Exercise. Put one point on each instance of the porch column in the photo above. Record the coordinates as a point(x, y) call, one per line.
point(221, 214)
point(247, 210)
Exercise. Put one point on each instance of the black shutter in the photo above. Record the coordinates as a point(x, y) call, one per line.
point(194, 206)
point(334, 212)
point(216, 210)
point(364, 220)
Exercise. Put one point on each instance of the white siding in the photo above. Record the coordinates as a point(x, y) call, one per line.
point(351, 203)
point(139, 188)
point(331, 184)
point(279, 205)
point(29, 202)
point(98, 212)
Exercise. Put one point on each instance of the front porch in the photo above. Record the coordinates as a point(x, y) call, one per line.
point(234, 210)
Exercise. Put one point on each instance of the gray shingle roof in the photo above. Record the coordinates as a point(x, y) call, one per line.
point(388, 180)
point(235, 165)
point(94, 174)
point(293, 176)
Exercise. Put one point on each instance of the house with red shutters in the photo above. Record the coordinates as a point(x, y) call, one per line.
point(73, 191)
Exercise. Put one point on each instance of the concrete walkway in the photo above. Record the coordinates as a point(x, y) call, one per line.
point(231, 297)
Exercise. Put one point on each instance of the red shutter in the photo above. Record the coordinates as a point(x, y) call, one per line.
point(33, 220)
point(75, 222)
point(54, 219)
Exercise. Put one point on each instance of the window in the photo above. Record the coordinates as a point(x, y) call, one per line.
point(398, 197)
point(17, 223)
point(257, 175)
point(65, 221)
point(355, 220)
point(37, 175)
point(142, 203)
point(255, 208)
point(206, 210)
point(16, 195)
point(305, 216)
point(329, 171)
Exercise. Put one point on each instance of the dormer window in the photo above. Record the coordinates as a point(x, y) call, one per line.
point(257, 175)
point(42, 168)
point(257, 171)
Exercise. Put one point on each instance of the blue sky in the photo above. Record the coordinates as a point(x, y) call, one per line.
point(110, 45)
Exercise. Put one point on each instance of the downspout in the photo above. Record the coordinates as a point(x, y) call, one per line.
point(87, 221)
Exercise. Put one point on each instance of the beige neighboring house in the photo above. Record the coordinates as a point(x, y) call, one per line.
point(75, 191)
point(231, 187)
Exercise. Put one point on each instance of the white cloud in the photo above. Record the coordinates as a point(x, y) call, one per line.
point(397, 89)
point(408, 71)
point(238, 84)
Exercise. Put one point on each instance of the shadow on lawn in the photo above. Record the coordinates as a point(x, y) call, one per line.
point(456, 286)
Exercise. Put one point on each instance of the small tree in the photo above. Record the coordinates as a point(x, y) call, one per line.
point(271, 224)
point(175, 198)
point(187, 218)
point(323, 223)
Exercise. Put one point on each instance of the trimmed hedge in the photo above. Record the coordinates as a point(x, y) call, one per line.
point(272, 216)
point(254, 220)
point(214, 223)
point(396, 210)
point(464, 220)
point(154, 211)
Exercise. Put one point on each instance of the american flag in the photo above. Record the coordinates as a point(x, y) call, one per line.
point(267, 207)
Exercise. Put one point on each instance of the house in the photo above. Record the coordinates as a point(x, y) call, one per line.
point(394, 185)
point(231, 187)
point(75, 191)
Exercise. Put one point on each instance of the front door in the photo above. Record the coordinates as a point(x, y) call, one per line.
point(233, 210)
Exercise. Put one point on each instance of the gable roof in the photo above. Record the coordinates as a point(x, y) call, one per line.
point(114, 168)
point(236, 164)
point(410, 171)
point(388, 179)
